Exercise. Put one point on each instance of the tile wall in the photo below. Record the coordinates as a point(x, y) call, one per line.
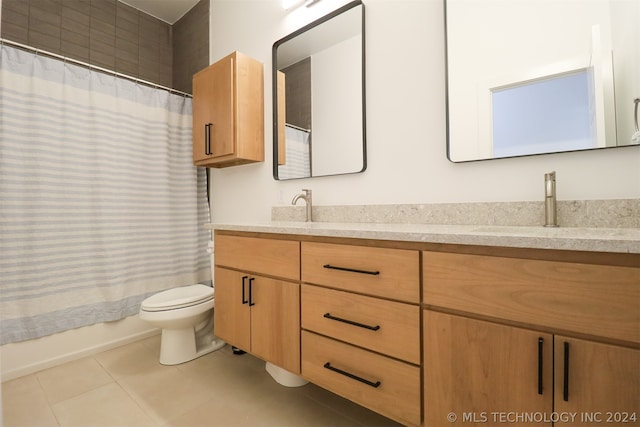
point(190, 45)
point(110, 34)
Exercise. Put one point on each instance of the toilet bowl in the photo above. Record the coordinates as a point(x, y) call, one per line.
point(185, 315)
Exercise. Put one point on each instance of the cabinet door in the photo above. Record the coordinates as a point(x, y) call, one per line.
point(477, 371)
point(602, 382)
point(275, 322)
point(201, 114)
point(213, 106)
point(232, 318)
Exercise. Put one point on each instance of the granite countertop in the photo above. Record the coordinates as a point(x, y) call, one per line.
point(621, 240)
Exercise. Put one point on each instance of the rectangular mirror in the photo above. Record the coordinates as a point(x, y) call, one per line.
point(531, 77)
point(319, 97)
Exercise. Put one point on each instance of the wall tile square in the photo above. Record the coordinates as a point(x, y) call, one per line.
point(72, 50)
point(104, 10)
point(16, 32)
point(50, 8)
point(18, 6)
point(44, 41)
point(82, 6)
point(77, 38)
point(72, 18)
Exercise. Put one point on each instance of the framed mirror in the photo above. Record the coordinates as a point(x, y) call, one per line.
point(529, 77)
point(319, 97)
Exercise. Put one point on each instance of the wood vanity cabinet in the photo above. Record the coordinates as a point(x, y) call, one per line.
point(258, 297)
point(498, 341)
point(228, 112)
point(432, 335)
point(601, 378)
point(361, 325)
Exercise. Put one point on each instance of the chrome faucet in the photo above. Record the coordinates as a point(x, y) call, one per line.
point(550, 210)
point(307, 198)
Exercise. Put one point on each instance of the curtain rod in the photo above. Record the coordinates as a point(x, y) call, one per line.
point(39, 51)
point(289, 125)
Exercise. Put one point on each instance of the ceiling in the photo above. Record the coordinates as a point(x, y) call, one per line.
point(167, 10)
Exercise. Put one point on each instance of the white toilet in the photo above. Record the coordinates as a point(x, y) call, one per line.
point(185, 315)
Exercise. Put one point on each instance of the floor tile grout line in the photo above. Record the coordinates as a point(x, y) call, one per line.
point(127, 393)
point(46, 398)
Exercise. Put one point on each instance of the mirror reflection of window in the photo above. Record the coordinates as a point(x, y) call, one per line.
point(496, 43)
point(555, 113)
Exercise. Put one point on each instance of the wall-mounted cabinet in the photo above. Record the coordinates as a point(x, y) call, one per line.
point(228, 112)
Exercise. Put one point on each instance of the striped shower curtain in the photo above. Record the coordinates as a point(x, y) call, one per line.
point(100, 205)
point(298, 155)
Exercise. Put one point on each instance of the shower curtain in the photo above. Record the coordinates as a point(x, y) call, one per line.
point(298, 156)
point(100, 205)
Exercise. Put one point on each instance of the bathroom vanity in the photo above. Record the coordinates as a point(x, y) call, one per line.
point(438, 325)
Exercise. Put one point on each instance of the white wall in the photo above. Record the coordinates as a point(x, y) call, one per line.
point(336, 125)
point(406, 133)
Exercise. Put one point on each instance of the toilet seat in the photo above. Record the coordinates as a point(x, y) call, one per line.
point(176, 298)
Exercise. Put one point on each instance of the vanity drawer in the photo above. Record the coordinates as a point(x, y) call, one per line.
point(592, 299)
point(388, 327)
point(280, 258)
point(390, 273)
point(398, 394)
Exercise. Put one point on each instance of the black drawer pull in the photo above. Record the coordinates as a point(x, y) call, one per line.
point(244, 298)
point(353, 270)
point(351, 322)
point(350, 375)
point(540, 357)
point(565, 388)
point(251, 302)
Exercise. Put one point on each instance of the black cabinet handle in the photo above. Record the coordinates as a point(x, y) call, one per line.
point(540, 357)
point(251, 291)
point(207, 138)
point(350, 375)
point(244, 299)
point(353, 270)
point(351, 322)
point(565, 391)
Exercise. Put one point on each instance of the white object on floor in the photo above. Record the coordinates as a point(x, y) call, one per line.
point(284, 377)
point(185, 315)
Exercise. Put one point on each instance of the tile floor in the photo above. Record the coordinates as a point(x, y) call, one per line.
point(127, 386)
